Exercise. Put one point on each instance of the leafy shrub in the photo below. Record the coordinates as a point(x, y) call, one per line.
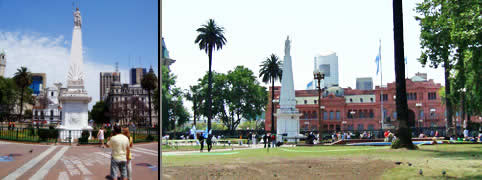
point(44, 134)
point(149, 138)
point(84, 138)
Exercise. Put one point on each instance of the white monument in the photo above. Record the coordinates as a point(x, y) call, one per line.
point(288, 117)
point(74, 99)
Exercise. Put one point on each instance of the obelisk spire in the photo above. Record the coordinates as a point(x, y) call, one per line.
point(287, 97)
point(76, 73)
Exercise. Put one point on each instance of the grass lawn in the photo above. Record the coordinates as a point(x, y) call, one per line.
point(330, 162)
point(171, 148)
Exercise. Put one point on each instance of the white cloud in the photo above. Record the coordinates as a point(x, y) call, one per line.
point(50, 55)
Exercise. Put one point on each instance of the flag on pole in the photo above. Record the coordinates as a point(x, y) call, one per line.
point(379, 57)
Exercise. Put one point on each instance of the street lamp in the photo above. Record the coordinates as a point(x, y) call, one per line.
point(319, 75)
point(419, 106)
point(352, 117)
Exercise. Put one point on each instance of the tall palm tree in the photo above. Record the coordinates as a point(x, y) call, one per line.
point(403, 131)
point(23, 79)
point(210, 36)
point(270, 72)
point(149, 83)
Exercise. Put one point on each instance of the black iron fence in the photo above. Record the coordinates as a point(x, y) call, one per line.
point(378, 133)
point(52, 135)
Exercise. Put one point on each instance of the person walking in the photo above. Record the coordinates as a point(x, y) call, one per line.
point(249, 138)
point(126, 132)
point(201, 141)
point(265, 140)
point(273, 140)
point(209, 141)
point(100, 136)
point(120, 154)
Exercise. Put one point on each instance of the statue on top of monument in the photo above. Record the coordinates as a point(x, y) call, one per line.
point(77, 18)
point(287, 45)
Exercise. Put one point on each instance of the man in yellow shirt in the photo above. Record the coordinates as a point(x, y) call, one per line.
point(120, 154)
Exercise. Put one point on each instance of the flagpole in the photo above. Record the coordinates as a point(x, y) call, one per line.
point(381, 82)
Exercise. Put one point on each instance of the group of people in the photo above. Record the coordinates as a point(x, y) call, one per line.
point(389, 136)
point(209, 141)
point(341, 135)
point(11, 125)
point(269, 139)
point(121, 158)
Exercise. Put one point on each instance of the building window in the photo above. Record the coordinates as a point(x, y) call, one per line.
point(371, 99)
point(325, 115)
point(306, 102)
point(385, 97)
point(371, 127)
point(360, 127)
point(351, 100)
point(337, 115)
point(315, 115)
point(371, 113)
point(395, 115)
point(421, 114)
point(315, 102)
point(51, 93)
point(361, 99)
point(432, 96)
point(331, 115)
point(412, 96)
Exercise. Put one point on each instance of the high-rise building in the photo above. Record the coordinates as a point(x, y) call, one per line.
point(106, 79)
point(3, 63)
point(327, 62)
point(39, 80)
point(136, 75)
point(364, 83)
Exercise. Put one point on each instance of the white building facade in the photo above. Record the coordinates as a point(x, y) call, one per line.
point(327, 62)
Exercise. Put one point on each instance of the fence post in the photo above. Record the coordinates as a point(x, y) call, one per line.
point(17, 134)
point(70, 137)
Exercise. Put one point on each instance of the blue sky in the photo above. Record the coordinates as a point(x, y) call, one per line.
point(38, 35)
point(112, 30)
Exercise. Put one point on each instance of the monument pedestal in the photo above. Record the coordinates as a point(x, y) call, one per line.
point(287, 123)
point(75, 115)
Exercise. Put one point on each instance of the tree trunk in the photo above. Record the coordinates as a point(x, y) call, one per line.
point(209, 88)
point(21, 105)
point(448, 103)
point(403, 131)
point(272, 105)
point(194, 107)
point(150, 112)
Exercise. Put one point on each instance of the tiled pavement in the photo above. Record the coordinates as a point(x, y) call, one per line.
point(33, 161)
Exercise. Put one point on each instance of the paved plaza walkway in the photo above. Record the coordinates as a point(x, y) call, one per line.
point(62, 162)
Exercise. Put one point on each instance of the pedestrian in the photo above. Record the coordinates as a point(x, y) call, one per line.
point(120, 151)
point(201, 141)
point(254, 138)
point(209, 141)
point(265, 139)
point(432, 133)
point(250, 136)
point(126, 132)
point(100, 136)
point(273, 140)
point(436, 133)
point(466, 133)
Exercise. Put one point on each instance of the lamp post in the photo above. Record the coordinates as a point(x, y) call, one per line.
point(319, 75)
point(419, 106)
point(352, 117)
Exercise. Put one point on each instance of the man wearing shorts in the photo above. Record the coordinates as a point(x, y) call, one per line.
point(120, 154)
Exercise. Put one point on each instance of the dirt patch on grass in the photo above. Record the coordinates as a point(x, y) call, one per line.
point(321, 168)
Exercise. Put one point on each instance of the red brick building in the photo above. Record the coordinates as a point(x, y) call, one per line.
point(352, 109)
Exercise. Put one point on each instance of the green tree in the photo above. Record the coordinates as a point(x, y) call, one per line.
point(271, 70)
point(149, 83)
point(8, 98)
point(173, 109)
point(451, 35)
point(193, 96)
point(99, 113)
point(238, 96)
point(403, 130)
point(23, 79)
point(211, 36)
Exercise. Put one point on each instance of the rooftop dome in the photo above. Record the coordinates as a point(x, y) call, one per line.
point(326, 53)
